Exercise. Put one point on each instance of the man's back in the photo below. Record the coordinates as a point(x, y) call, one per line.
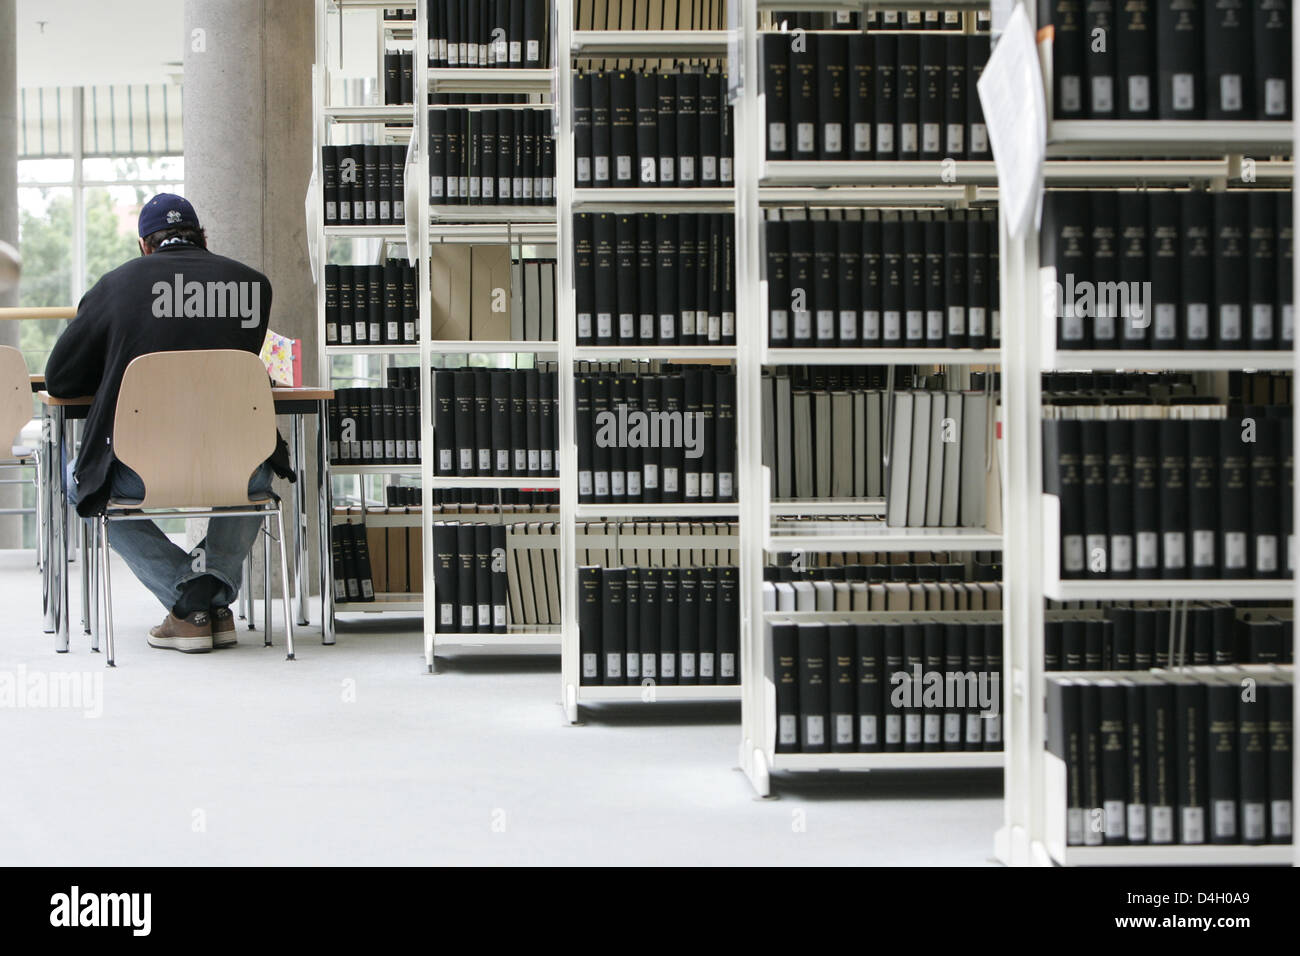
point(179, 298)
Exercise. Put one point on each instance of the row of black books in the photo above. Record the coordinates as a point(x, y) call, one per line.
point(658, 544)
point(372, 305)
point(374, 426)
point(375, 555)
point(941, 568)
point(652, 129)
point(880, 96)
point(487, 157)
point(494, 421)
point(480, 99)
point(883, 596)
point(895, 687)
point(399, 13)
point(1140, 638)
point(399, 496)
point(663, 625)
point(1172, 757)
point(1176, 491)
point(493, 500)
point(470, 583)
point(903, 280)
point(668, 437)
point(940, 459)
point(500, 34)
point(364, 184)
point(399, 78)
point(1169, 59)
point(950, 19)
point(650, 279)
point(1170, 270)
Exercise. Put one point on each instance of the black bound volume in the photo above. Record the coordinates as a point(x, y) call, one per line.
point(1135, 59)
point(885, 103)
point(832, 96)
point(1261, 251)
point(814, 689)
point(1234, 498)
point(1099, 58)
point(647, 129)
point(1164, 246)
point(582, 130)
point(589, 624)
point(1271, 23)
point(785, 677)
point(1229, 67)
point(1173, 498)
point(1231, 269)
point(1203, 497)
point(933, 97)
point(1063, 477)
point(1065, 17)
point(775, 49)
point(909, 96)
point(1180, 35)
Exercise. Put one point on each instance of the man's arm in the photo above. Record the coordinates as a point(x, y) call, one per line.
point(76, 364)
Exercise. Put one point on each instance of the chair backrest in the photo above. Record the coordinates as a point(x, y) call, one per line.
point(15, 397)
point(194, 426)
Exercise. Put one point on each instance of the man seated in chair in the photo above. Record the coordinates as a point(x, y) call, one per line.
point(177, 297)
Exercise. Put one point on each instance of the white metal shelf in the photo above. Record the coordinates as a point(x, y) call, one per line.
point(814, 6)
point(889, 173)
point(414, 519)
point(383, 604)
point(658, 44)
point(490, 80)
point(881, 356)
point(489, 347)
point(934, 760)
point(393, 349)
point(881, 196)
point(1281, 854)
point(494, 233)
point(631, 509)
point(494, 481)
point(703, 199)
point(1142, 138)
point(1160, 359)
point(589, 693)
point(682, 353)
point(346, 469)
point(367, 232)
point(493, 215)
point(832, 536)
point(812, 507)
point(398, 113)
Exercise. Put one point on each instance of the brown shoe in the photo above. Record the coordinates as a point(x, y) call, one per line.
point(190, 635)
point(223, 627)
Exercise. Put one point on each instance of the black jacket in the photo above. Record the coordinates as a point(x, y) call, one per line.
point(139, 308)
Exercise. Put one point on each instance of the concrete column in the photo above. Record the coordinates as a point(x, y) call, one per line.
point(11, 527)
point(248, 136)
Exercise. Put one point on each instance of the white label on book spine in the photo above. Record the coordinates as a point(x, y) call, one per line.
point(1166, 328)
point(489, 183)
point(604, 325)
point(634, 666)
point(893, 329)
point(584, 325)
point(613, 665)
point(1229, 322)
point(911, 728)
point(1261, 322)
point(909, 138)
point(1202, 548)
point(1193, 828)
point(1162, 824)
point(1139, 94)
point(1274, 97)
point(445, 616)
point(626, 325)
point(692, 484)
point(1224, 818)
point(504, 184)
point(534, 460)
point(934, 325)
point(1234, 550)
point(956, 320)
point(467, 459)
point(893, 729)
point(623, 168)
point(498, 615)
point(979, 138)
point(787, 729)
point(484, 615)
point(1287, 332)
point(1175, 550)
point(803, 325)
point(648, 666)
point(665, 169)
point(584, 169)
point(1280, 814)
point(1072, 552)
point(485, 459)
point(728, 324)
point(955, 137)
point(602, 169)
point(776, 137)
point(867, 730)
point(521, 459)
point(727, 664)
point(870, 325)
point(467, 617)
point(805, 137)
point(370, 210)
point(650, 475)
point(1252, 821)
point(1074, 826)
point(708, 169)
point(667, 326)
point(832, 137)
point(670, 481)
point(779, 320)
point(862, 137)
point(1230, 86)
point(931, 137)
point(589, 668)
point(1137, 822)
point(915, 325)
point(1071, 90)
point(331, 211)
point(844, 728)
point(993, 728)
point(1265, 553)
point(634, 483)
point(1121, 553)
point(1184, 87)
point(1103, 94)
point(725, 490)
point(706, 484)
point(932, 728)
point(1113, 811)
point(384, 209)
point(724, 169)
point(667, 666)
point(688, 322)
point(952, 728)
point(814, 730)
point(884, 137)
point(616, 484)
point(584, 483)
point(516, 51)
point(825, 325)
point(848, 325)
point(1092, 834)
point(602, 484)
point(534, 52)
point(688, 664)
point(686, 169)
point(1148, 550)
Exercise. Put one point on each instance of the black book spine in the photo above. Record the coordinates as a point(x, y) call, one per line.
point(1135, 769)
point(1066, 19)
point(869, 639)
point(632, 626)
point(1119, 497)
point(1285, 269)
point(909, 96)
point(1161, 746)
point(1281, 747)
point(1235, 480)
point(623, 133)
point(1229, 60)
point(601, 129)
point(1135, 59)
point(507, 122)
point(1065, 245)
point(1221, 759)
point(1266, 535)
point(935, 284)
point(1096, 498)
point(1099, 58)
point(688, 286)
point(1104, 265)
point(466, 580)
point(605, 295)
point(775, 48)
point(913, 283)
point(977, 133)
point(519, 424)
point(650, 624)
point(483, 457)
point(934, 96)
point(842, 648)
point(1262, 269)
point(1180, 36)
point(1195, 301)
point(1146, 498)
point(590, 619)
point(891, 283)
point(582, 130)
point(666, 278)
point(1231, 269)
point(1134, 273)
point(848, 243)
point(446, 575)
point(330, 183)
point(613, 634)
point(1271, 23)
point(776, 244)
point(725, 435)
point(1090, 726)
point(1190, 763)
point(1174, 520)
point(688, 626)
point(647, 129)
point(885, 99)
point(687, 87)
point(825, 260)
point(625, 279)
point(484, 585)
point(861, 94)
point(669, 594)
point(932, 663)
point(1203, 496)
point(785, 678)
point(584, 277)
point(1114, 762)
point(912, 686)
point(711, 106)
point(1063, 477)
point(814, 688)
point(1065, 740)
point(803, 113)
point(831, 90)
point(444, 422)
point(331, 279)
point(1250, 726)
point(728, 625)
point(893, 674)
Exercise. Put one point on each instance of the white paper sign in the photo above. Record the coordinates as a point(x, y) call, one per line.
point(1011, 92)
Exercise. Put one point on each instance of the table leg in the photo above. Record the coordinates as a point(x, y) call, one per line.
point(300, 574)
point(325, 510)
point(47, 519)
point(59, 551)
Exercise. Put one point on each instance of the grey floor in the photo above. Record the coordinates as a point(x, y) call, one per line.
point(354, 755)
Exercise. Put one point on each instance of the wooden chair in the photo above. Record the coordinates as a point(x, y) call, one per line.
point(15, 413)
point(194, 426)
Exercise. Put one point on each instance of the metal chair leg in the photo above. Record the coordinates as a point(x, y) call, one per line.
point(108, 591)
point(92, 568)
point(285, 592)
point(85, 574)
point(266, 581)
point(245, 582)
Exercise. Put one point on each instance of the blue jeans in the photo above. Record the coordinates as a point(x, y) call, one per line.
point(164, 567)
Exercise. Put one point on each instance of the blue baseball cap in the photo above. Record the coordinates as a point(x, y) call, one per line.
point(165, 211)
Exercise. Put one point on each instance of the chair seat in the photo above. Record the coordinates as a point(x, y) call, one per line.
point(24, 453)
point(133, 504)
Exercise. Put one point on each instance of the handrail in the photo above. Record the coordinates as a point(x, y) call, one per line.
point(42, 312)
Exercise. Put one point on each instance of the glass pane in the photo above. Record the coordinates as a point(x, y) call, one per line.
point(45, 238)
point(111, 216)
point(45, 170)
point(127, 168)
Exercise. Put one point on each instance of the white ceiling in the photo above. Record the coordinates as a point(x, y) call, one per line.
point(94, 42)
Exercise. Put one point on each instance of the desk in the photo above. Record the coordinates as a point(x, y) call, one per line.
point(294, 402)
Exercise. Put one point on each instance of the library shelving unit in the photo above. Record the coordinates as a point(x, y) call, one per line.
point(766, 526)
point(572, 47)
point(1205, 154)
point(372, 123)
